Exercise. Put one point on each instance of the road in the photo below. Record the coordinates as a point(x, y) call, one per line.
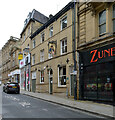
point(22, 106)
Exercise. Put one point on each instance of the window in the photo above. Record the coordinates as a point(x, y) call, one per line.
point(114, 18)
point(51, 31)
point(13, 63)
point(64, 46)
point(42, 55)
point(64, 22)
point(34, 43)
point(24, 36)
point(42, 76)
point(14, 55)
point(62, 76)
point(33, 59)
point(42, 37)
point(28, 30)
point(102, 22)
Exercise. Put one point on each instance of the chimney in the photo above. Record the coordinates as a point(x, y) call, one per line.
point(50, 16)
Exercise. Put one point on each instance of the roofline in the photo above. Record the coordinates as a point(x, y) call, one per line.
point(55, 17)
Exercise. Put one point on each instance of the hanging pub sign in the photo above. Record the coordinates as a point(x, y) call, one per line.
point(52, 48)
point(99, 55)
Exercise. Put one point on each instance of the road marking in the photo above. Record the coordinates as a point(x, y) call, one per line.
point(12, 98)
point(25, 104)
point(44, 109)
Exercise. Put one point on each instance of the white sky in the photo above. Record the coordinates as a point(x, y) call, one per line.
point(14, 12)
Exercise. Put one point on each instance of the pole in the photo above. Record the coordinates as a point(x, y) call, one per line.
point(75, 81)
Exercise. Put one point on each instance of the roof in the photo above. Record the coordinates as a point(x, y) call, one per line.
point(36, 16)
point(55, 17)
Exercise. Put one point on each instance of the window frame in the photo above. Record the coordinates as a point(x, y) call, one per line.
point(28, 30)
point(24, 36)
point(63, 19)
point(60, 76)
point(101, 24)
point(42, 55)
point(33, 43)
point(42, 37)
point(33, 59)
point(65, 45)
point(51, 31)
point(41, 76)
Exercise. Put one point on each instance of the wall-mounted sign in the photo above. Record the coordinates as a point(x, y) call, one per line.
point(27, 59)
point(22, 63)
point(99, 55)
point(20, 56)
point(33, 75)
point(52, 48)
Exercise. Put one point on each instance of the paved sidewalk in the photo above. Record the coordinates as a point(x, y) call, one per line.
point(97, 108)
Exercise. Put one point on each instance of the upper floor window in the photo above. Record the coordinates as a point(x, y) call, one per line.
point(102, 22)
point(13, 63)
point(64, 46)
point(63, 22)
point(114, 18)
point(14, 55)
point(34, 43)
point(42, 37)
point(33, 59)
point(28, 30)
point(42, 55)
point(24, 36)
point(51, 31)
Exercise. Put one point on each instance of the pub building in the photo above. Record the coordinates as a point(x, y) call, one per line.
point(97, 73)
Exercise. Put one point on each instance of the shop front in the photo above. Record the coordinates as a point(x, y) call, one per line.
point(97, 73)
point(25, 73)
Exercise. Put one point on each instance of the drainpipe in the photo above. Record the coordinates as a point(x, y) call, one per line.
point(75, 69)
point(77, 51)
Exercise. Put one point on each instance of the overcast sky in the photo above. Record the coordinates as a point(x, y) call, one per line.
point(14, 12)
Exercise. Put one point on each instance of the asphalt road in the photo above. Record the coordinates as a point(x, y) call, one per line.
point(22, 106)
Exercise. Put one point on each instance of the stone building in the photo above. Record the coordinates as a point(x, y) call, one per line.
point(52, 61)
point(0, 66)
point(10, 63)
point(96, 47)
point(34, 21)
point(52, 54)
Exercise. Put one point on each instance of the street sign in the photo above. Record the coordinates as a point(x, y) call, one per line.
point(20, 56)
point(74, 72)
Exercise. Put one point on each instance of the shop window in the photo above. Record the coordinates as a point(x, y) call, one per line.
point(42, 76)
point(102, 22)
point(63, 22)
point(114, 18)
point(62, 76)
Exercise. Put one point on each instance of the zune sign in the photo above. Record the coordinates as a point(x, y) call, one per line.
point(97, 55)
